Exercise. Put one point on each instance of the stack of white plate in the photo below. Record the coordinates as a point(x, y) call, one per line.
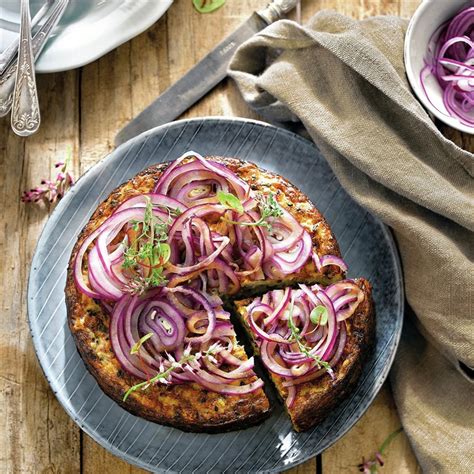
point(88, 30)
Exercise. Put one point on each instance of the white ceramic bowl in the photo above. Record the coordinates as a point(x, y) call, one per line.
point(427, 18)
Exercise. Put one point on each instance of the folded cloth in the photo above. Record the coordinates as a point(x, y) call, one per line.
point(344, 80)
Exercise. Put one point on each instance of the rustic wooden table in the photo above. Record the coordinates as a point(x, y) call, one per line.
point(84, 109)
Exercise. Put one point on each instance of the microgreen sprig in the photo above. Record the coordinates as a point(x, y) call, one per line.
point(230, 201)
point(304, 349)
point(148, 252)
point(163, 375)
point(268, 205)
point(319, 315)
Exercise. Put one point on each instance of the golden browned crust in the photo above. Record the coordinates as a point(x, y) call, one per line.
point(188, 407)
point(315, 399)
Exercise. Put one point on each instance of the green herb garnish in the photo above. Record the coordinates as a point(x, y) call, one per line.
point(136, 347)
point(207, 6)
point(304, 349)
point(163, 374)
point(230, 201)
point(319, 315)
point(173, 212)
point(160, 376)
point(148, 252)
point(269, 207)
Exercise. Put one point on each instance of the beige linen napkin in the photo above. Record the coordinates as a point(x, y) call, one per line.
point(345, 81)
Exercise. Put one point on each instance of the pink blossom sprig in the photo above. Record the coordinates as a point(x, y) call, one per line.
point(51, 191)
point(371, 465)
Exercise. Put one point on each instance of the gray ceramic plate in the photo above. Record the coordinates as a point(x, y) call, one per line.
point(272, 446)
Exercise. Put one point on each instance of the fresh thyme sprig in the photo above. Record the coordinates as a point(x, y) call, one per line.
point(304, 349)
point(163, 375)
point(148, 252)
point(268, 205)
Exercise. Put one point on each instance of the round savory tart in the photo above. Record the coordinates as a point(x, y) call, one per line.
point(153, 274)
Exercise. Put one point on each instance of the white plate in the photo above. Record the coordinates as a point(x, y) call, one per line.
point(88, 30)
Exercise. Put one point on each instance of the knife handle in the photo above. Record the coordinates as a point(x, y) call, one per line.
point(276, 10)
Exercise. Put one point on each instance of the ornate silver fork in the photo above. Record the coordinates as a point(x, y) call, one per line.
point(7, 81)
point(26, 116)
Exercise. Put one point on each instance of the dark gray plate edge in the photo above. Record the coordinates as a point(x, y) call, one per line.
point(64, 202)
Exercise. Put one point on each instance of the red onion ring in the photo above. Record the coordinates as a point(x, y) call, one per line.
point(205, 303)
point(166, 182)
point(135, 316)
point(450, 60)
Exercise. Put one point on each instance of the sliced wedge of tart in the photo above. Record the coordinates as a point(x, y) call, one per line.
point(313, 341)
point(170, 357)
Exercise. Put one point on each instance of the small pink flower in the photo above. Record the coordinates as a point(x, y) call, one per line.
point(51, 191)
point(370, 466)
point(33, 195)
point(366, 466)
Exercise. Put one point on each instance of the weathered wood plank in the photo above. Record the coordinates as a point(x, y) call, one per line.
point(96, 459)
point(37, 435)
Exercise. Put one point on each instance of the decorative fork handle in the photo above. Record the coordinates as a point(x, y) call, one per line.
point(7, 80)
point(25, 110)
point(9, 54)
point(276, 10)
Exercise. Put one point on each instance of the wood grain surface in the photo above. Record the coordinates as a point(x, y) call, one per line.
point(84, 109)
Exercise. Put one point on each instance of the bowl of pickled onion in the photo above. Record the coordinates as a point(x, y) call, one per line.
point(439, 60)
